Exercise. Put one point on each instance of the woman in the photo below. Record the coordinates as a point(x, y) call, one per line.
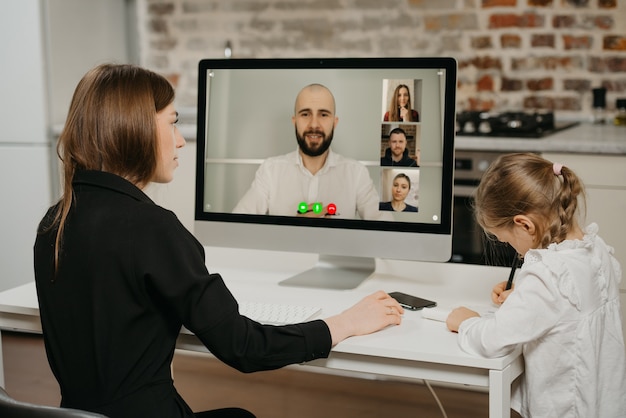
point(117, 276)
point(400, 106)
point(399, 191)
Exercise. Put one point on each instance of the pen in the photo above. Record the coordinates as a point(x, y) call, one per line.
point(509, 282)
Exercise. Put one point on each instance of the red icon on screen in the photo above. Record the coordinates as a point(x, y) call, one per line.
point(331, 209)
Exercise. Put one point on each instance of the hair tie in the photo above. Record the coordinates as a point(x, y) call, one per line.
point(556, 168)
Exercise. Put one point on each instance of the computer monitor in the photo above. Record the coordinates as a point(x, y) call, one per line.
point(245, 118)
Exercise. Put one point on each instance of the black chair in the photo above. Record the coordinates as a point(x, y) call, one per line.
point(10, 408)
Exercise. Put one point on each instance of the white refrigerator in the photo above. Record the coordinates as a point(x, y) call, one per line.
point(45, 47)
point(25, 150)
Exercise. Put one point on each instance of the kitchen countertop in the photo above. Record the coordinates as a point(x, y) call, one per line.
point(585, 138)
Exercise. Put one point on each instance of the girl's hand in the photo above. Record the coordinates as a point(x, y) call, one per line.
point(498, 294)
point(457, 316)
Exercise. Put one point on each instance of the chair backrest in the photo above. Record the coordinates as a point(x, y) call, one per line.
point(11, 408)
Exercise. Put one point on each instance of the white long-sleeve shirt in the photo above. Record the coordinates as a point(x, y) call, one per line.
point(565, 312)
point(281, 183)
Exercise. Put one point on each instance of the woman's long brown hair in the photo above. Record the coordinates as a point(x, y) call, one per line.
point(110, 126)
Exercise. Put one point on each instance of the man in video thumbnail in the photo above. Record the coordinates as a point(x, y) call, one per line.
point(312, 179)
point(397, 153)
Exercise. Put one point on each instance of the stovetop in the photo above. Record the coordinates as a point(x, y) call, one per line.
point(509, 124)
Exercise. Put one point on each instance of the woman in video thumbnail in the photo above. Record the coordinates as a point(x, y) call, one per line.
point(399, 190)
point(400, 106)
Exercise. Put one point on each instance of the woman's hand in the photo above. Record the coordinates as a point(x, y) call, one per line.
point(499, 294)
point(370, 314)
point(457, 316)
point(403, 113)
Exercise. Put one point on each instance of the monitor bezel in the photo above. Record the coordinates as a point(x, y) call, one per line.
point(220, 220)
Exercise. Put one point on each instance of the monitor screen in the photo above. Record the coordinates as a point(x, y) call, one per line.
point(349, 158)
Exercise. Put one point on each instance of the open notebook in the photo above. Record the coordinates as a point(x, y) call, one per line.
point(440, 313)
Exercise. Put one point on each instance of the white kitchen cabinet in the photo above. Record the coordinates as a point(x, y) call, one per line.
point(605, 184)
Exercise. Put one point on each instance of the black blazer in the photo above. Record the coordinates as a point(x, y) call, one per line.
point(130, 275)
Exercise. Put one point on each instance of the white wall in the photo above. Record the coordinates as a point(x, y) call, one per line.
point(81, 34)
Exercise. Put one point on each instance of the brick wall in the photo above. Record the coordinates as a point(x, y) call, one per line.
point(512, 54)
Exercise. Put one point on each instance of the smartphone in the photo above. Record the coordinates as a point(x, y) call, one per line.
point(412, 303)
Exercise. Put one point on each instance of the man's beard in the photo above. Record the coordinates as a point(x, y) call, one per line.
point(316, 152)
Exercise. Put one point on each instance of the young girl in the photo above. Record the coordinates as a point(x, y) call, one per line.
point(565, 309)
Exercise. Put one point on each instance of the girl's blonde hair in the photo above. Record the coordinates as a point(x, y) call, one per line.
point(527, 184)
point(111, 126)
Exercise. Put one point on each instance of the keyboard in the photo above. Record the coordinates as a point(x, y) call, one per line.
point(277, 313)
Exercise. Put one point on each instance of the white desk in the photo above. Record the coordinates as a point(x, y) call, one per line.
point(417, 349)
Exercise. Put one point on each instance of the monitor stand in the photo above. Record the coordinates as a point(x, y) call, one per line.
point(334, 272)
